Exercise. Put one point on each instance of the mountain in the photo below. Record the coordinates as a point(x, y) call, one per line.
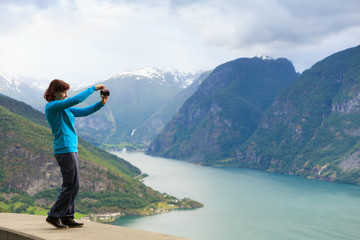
point(153, 125)
point(23, 89)
point(166, 76)
point(134, 98)
point(312, 128)
point(224, 111)
point(28, 169)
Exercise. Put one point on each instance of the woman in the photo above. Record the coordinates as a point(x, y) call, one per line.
point(61, 117)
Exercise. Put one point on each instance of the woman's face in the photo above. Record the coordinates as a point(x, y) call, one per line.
point(60, 95)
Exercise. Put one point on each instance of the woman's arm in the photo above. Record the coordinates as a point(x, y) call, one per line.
point(83, 112)
point(60, 105)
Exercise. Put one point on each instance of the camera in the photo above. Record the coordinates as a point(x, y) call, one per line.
point(104, 93)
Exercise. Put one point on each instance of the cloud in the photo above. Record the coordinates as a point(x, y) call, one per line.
point(295, 29)
point(41, 4)
point(244, 23)
point(88, 40)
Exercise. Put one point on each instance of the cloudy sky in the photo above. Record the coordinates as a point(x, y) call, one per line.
point(91, 40)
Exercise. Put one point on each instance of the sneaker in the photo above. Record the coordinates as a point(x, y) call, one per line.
point(55, 222)
point(71, 223)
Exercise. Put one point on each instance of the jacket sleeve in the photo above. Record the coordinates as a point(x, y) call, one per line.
point(83, 112)
point(60, 105)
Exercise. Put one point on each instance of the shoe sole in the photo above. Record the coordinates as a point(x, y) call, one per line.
point(65, 226)
point(78, 226)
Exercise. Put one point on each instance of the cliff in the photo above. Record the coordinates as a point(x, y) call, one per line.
point(224, 111)
point(312, 127)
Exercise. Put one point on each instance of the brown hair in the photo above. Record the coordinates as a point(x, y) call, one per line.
point(56, 85)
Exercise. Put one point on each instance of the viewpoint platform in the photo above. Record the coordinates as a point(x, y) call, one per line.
point(32, 227)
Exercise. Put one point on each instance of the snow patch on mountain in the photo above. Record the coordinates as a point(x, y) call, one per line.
point(148, 72)
point(162, 76)
point(9, 83)
point(263, 57)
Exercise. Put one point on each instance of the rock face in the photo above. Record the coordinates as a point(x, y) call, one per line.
point(347, 106)
point(37, 172)
point(312, 128)
point(33, 175)
point(224, 111)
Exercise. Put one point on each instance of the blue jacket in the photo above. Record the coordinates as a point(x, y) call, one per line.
point(61, 117)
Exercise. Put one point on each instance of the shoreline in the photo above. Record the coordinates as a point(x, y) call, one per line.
point(108, 217)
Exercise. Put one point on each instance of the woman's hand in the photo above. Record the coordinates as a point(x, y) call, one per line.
point(104, 99)
point(100, 87)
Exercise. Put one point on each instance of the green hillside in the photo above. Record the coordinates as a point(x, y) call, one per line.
point(23, 109)
point(30, 177)
point(312, 128)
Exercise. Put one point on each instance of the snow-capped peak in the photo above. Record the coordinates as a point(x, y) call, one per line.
point(149, 72)
point(162, 75)
point(9, 82)
point(263, 57)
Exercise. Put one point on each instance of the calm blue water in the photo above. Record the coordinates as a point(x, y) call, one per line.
point(247, 204)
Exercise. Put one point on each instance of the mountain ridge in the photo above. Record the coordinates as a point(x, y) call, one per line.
point(315, 121)
point(207, 126)
point(165, 75)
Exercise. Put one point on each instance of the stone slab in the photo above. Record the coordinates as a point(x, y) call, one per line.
point(23, 227)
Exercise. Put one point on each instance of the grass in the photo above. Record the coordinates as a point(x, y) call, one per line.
point(34, 210)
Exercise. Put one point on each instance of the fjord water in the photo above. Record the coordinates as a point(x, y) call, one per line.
point(246, 204)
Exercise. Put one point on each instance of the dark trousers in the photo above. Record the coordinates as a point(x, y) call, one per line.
point(65, 204)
